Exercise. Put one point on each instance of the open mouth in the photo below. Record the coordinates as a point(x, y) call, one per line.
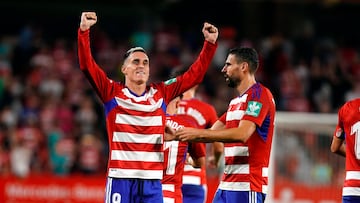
point(140, 72)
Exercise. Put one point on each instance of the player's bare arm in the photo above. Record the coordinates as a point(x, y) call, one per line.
point(88, 19)
point(239, 134)
point(196, 163)
point(217, 148)
point(169, 134)
point(338, 146)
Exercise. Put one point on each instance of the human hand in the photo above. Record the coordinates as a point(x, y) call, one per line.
point(211, 162)
point(169, 134)
point(189, 160)
point(210, 32)
point(187, 134)
point(88, 19)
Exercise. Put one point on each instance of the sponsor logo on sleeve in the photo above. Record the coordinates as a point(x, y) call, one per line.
point(253, 108)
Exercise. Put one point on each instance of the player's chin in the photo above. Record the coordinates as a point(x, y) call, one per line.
point(142, 79)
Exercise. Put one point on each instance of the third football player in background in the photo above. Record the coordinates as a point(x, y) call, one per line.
point(348, 131)
point(175, 154)
point(194, 187)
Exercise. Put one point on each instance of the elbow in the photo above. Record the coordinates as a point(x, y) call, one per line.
point(218, 153)
point(243, 138)
point(334, 149)
point(218, 148)
point(199, 163)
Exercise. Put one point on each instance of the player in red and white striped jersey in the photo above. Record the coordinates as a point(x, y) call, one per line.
point(348, 131)
point(194, 187)
point(194, 179)
point(176, 154)
point(135, 114)
point(246, 130)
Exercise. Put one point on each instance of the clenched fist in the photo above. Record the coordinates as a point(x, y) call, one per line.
point(210, 32)
point(88, 19)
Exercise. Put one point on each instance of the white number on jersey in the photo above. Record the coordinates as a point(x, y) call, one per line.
point(355, 129)
point(172, 156)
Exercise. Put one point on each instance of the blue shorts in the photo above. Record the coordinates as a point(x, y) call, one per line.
point(225, 196)
point(193, 193)
point(122, 190)
point(350, 199)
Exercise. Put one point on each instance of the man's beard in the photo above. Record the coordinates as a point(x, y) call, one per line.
point(231, 82)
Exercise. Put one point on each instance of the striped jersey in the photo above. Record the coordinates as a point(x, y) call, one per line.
point(175, 158)
point(348, 128)
point(205, 116)
point(246, 164)
point(135, 124)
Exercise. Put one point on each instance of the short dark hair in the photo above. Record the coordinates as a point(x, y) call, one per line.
point(132, 50)
point(246, 54)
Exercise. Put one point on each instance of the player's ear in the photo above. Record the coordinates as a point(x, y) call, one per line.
point(123, 69)
point(244, 66)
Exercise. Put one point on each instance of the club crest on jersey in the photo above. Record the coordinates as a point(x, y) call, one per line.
point(170, 81)
point(253, 108)
point(152, 101)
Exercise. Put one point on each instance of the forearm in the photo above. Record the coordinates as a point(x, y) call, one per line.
point(338, 146)
point(218, 150)
point(203, 61)
point(225, 135)
point(341, 151)
point(198, 163)
point(95, 75)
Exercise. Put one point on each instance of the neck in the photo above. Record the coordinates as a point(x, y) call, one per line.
point(245, 84)
point(189, 94)
point(136, 88)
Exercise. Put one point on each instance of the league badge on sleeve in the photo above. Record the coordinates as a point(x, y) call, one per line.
point(253, 108)
point(339, 133)
point(170, 81)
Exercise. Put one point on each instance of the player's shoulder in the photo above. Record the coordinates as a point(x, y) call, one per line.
point(183, 119)
point(259, 90)
point(198, 104)
point(354, 102)
point(158, 86)
point(349, 104)
point(267, 89)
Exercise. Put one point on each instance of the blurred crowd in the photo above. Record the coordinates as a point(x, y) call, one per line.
point(51, 121)
point(304, 156)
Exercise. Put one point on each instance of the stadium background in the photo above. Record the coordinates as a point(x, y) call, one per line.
point(52, 134)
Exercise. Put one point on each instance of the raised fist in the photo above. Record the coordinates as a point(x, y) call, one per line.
point(88, 19)
point(210, 32)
